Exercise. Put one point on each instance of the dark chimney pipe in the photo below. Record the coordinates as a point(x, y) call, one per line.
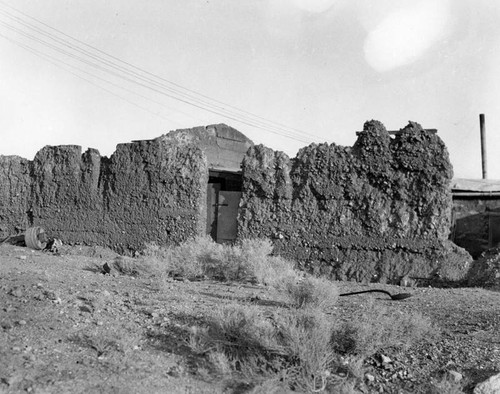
point(483, 146)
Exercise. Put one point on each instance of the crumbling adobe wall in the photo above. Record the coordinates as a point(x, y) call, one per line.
point(147, 191)
point(66, 198)
point(14, 194)
point(155, 192)
point(375, 212)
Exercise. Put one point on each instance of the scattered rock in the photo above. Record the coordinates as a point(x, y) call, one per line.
point(16, 292)
point(385, 359)
point(369, 377)
point(6, 325)
point(490, 386)
point(50, 294)
point(455, 376)
point(106, 269)
point(86, 308)
point(54, 245)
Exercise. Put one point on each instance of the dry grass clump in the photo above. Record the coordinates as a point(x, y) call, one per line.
point(308, 292)
point(375, 326)
point(301, 347)
point(201, 257)
point(290, 348)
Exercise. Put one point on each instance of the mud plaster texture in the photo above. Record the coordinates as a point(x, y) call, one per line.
point(374, 212)
point(377, 211)
point(147, 191)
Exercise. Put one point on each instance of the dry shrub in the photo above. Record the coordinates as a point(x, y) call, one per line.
point(302, 348)
point(265, 269)
point(117, 342)
point(309, 292)
point(290, 348)
point(133, 267)
point(248, 261)
point(186, 260)
point(375, 326)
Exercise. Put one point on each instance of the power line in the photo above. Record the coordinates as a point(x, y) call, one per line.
point(122, 70)
point(286, 128)
point(57, 63)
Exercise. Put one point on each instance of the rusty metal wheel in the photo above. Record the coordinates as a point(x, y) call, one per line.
point(35, 238)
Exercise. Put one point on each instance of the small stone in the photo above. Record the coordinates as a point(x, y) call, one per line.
point(106, 269)
point(16, 292)
point(22, 257)
point(6, 325)
point(369, 377)
point(85, 308)
point(50, 294)
point(22, 322)
point(385, 359)
point(106, 293)
point(455, 376)
point(154, 315)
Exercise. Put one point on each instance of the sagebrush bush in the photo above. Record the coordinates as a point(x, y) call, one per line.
point(375, 326)
point(293, 344)
point(248, 261)
point(301, 348)
point(297, 347)
point(309, 292)
point(266, 269)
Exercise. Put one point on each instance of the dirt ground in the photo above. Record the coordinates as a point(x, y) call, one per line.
point(65, 327)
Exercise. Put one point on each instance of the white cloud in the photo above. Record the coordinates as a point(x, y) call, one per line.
point(405, 34)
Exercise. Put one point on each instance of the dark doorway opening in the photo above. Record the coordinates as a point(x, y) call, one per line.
point(223, 200)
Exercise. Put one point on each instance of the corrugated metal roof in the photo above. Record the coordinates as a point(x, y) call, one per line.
point(476, 185)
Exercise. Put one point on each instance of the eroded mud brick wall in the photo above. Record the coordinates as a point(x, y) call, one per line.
point(372, 212)
point(66, 197)
point(148, 191)
point(14, 194)
point(155, 192)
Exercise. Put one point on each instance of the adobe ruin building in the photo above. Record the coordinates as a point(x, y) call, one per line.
point(476, 214)
point(372, 212)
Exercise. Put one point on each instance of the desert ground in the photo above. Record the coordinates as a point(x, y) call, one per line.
point(66, 327)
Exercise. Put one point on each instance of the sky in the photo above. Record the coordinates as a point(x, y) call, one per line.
point(286, 73)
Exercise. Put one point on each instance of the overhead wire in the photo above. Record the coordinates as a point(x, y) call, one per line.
point(57, 63)
point(54, 60)
point(122, 70)
point(285, 128)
